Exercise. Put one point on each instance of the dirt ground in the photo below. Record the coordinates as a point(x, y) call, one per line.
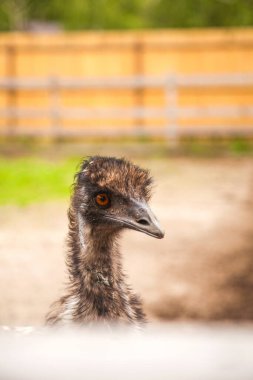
point(202, 269)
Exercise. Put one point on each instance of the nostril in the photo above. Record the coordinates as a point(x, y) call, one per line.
point(144, 222)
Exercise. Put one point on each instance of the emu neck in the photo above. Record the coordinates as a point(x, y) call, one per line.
point(93, 253)
point(100, 249)
point(97, 290)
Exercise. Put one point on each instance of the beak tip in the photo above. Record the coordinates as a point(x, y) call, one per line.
point(160, 235)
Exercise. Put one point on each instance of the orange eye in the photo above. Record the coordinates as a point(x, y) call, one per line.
point(102, 199)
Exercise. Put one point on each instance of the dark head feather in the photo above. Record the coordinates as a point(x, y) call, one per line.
point(117, 175)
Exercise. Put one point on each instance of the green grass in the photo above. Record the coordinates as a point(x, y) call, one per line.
point(29, 180)
point(25, 178)
point(216, 146)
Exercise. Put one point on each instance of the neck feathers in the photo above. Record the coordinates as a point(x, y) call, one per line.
point(97, 290)
point(91, 249)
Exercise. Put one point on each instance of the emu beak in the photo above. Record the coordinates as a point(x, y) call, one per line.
point(141, 218)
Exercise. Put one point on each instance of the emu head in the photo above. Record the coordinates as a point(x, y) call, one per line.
point(111, 194)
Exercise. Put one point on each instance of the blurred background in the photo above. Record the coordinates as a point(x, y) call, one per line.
point(166, 84)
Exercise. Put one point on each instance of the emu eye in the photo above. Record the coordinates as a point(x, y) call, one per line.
point(102, 199)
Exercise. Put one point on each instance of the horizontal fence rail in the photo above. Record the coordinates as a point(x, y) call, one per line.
point(138, 118)
point(231, 80)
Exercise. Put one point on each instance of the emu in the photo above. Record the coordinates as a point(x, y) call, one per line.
point(109, 194)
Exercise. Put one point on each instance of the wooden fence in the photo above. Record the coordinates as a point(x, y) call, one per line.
point(159, 83)
point(167, 120)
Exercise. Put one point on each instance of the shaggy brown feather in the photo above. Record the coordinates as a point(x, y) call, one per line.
point(97, 289)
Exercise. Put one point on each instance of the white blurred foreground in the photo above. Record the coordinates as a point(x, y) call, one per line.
point(174, 352)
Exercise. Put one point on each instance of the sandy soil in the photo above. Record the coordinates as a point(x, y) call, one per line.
point(202, 269)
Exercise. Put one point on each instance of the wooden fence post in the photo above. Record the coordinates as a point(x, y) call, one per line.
point(55, 104)
point(171, 101)
point(12, 120)
point(139, 90)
